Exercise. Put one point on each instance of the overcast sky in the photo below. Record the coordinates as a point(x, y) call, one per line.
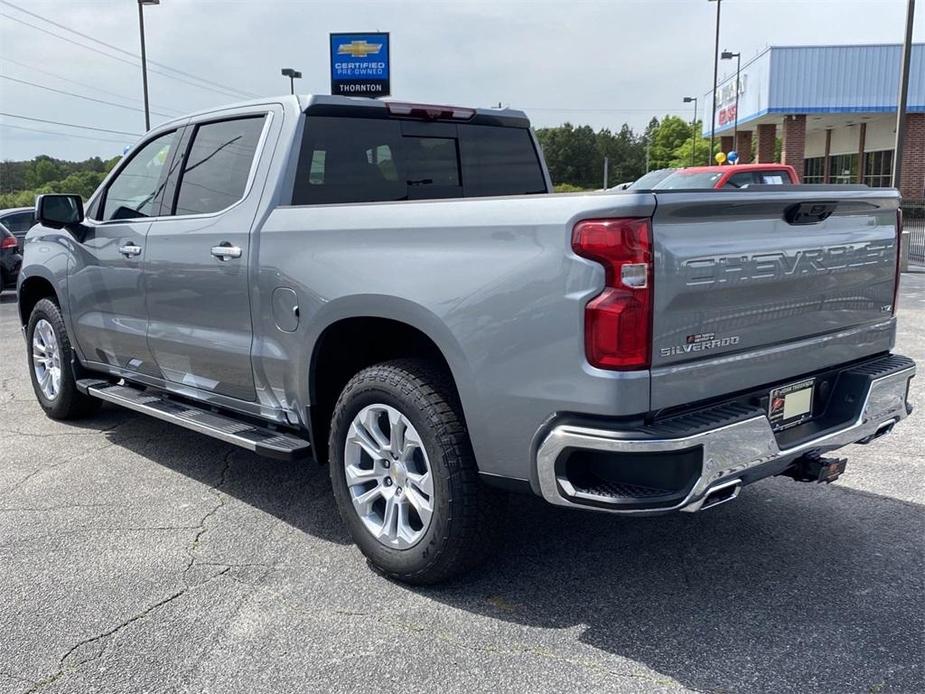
point(602, 63)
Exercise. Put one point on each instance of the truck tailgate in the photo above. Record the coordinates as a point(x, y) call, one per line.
point(745, 295)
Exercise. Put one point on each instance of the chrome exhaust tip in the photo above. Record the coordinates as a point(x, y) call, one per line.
point(720, 494)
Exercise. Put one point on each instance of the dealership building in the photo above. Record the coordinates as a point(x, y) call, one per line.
point(833, 107)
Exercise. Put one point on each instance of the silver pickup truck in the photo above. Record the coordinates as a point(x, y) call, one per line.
point(391, 289)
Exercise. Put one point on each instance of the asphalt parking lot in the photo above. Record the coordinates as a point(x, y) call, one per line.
point(139, 557)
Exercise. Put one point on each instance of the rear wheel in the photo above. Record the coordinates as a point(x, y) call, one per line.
point(404, 475)
point(50, 356)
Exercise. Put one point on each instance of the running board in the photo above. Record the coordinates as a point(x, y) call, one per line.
point(261, 440)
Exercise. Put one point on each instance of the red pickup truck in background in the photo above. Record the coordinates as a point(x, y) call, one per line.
point(729, 176)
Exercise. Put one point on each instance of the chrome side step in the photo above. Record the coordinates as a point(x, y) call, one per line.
point(261, 440)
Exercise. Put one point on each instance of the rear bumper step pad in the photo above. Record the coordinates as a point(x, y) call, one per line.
point(261, 440)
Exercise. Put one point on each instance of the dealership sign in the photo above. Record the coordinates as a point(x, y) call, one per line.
point(753, 95)
point(726, 101)
point(360, 64)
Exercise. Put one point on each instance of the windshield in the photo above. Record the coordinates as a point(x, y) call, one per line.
point(651, 178)
point(679, 179)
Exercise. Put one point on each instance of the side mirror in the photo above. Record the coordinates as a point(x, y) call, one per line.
point(59, 211)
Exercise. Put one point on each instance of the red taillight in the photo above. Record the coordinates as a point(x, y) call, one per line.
point(429, 111)
point(618, 321)
point(8, 242)
point(899, 253)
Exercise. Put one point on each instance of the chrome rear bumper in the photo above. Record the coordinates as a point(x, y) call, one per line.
point(728, 451)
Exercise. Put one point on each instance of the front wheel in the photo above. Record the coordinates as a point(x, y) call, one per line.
point(50, 356)
point(404, 475)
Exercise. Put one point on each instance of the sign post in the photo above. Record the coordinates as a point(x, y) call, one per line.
point(360, 64)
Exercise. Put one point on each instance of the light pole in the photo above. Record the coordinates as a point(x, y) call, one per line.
point(687, 100)
point(292, 75)
point(715, 77)
point(903, 100)
point(144, 60)
point(735, 128)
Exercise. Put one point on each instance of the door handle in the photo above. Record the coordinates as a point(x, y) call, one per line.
point(226, 252)
point(130, 250)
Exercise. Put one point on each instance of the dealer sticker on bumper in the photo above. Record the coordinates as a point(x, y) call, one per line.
point(791, 404)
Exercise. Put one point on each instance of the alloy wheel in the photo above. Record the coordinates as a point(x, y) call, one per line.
point(389, 476)
point(46, 359)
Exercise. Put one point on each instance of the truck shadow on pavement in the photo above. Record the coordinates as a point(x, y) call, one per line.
point(297, 493)
point(793, 587)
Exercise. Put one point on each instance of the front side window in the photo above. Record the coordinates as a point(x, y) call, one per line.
point(135, 190)
point(218, 165)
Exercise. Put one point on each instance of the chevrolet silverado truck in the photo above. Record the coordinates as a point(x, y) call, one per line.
point(392, 290)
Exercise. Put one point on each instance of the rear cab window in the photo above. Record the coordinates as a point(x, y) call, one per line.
point(347, 159)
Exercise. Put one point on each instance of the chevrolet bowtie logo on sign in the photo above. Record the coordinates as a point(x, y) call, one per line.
point(359, 49)
point(360, 64)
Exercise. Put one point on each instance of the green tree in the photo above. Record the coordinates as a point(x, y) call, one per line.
point(571, 154)
point(700, 145)
point(43, 170)
point(21, 181)
point(625, 152)
point(668, 138)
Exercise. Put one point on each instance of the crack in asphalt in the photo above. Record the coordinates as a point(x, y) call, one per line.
point(58, 462)
point(55, 464)
point(96, 528)
point(220, 503)
point(62, 663)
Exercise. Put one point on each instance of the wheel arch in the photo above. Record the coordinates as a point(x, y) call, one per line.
point(33, 289)
point(352, 339)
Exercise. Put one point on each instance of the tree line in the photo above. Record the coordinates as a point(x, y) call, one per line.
point(21, 181)
point(575, 154)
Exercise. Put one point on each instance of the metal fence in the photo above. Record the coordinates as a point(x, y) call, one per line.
point(914, 223)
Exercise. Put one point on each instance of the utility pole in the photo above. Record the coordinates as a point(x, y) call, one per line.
point(728, 55)
point(144, 60)
point(715, 77)
point(606, 166)
point(903, 100)
point(687, 100)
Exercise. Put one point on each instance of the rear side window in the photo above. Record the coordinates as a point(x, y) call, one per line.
point(19, 222)
point(347, 159)
point(218, 165)
point(757, 177)
point(772, 178)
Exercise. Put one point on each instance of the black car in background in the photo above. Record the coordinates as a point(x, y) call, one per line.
point(10, 258)
point(18, 220)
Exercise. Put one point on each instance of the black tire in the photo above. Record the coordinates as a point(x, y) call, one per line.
point(465, 524)
point(68, 402)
